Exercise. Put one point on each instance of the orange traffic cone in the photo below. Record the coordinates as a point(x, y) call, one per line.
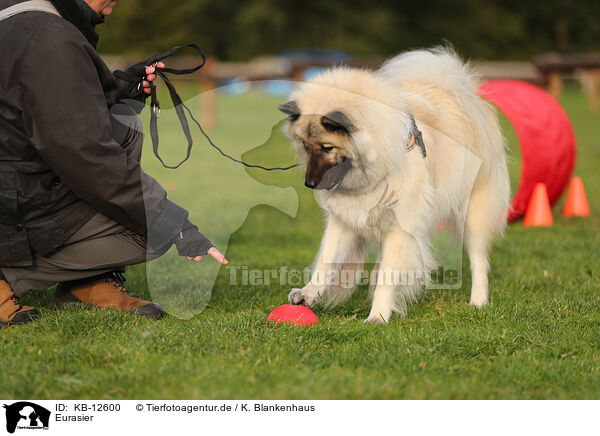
point(576, 204)
point(538, 210)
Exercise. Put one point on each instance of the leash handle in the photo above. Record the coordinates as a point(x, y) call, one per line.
point(162, 56)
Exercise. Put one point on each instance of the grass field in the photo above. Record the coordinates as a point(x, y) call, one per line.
point(539, 339)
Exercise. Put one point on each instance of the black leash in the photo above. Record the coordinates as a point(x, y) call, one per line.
point(179, 106)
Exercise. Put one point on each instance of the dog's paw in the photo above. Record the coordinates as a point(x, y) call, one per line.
point(478, 302)
point(376, 318)
point(305, 296)
point(296, 296)
point(479, 294)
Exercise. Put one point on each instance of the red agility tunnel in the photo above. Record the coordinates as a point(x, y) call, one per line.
point(545, 135)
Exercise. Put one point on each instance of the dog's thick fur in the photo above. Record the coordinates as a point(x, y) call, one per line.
point(353, 127)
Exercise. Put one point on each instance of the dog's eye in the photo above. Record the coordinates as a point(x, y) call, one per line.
point(325, 148)
point(304, 145)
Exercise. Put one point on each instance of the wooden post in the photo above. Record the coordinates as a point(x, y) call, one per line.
point(592, 81)
point(297, 74)
point(554, 84)
point(209, 95)
point(209, 103)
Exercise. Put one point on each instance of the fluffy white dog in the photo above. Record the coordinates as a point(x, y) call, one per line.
point(391, 152)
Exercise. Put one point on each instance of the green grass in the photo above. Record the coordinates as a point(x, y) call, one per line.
point(539, 339)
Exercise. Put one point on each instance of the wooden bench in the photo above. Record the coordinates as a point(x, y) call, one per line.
point(554, 66)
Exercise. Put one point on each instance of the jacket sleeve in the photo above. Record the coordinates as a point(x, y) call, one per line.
point(67, 120)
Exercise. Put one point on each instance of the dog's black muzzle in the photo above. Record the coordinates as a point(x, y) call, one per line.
point(327, 178)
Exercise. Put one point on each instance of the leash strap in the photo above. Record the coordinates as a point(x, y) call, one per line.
point(28, 6)
point(179, 105)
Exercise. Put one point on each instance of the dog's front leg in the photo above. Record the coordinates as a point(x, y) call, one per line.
point(332, 249)
point(399, 276)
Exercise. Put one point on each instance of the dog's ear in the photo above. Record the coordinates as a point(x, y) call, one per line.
point(291, 109)
point(338, 122)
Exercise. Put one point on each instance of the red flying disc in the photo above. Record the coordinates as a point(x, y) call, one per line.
point(293, 314)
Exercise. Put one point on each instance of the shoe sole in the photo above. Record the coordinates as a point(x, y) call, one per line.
point(55, 304)
point(30, 316)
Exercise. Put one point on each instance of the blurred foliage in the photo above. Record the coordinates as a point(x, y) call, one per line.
point(239, 30)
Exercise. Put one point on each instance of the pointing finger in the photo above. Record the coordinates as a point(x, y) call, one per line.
point(218, 256)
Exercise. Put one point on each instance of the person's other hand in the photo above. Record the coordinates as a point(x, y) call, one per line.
point(150, 76)
point(214, 253)
point(193, 245)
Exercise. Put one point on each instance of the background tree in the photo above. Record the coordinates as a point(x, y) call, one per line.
point(239, 30)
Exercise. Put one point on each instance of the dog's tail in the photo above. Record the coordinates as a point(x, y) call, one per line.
point(441, 67)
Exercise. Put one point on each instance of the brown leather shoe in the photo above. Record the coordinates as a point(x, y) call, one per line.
point(11, 311)
point(109, 293)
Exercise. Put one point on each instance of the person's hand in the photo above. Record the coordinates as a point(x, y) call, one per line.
point(214, 253)
point(193, 245)
point(150, 76)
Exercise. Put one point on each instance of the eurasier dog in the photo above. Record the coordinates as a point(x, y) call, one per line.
point(391, 152)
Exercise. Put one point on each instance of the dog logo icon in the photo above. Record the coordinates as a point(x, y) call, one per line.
point(26, 415)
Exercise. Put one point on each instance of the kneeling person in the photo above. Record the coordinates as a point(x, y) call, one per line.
point(76, 208)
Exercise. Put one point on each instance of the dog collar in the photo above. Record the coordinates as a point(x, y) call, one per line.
point(415, 138)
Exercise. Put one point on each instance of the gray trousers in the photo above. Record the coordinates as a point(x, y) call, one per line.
point(101, 245)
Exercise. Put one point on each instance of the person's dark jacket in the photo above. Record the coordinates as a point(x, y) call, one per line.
point(59, 164)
